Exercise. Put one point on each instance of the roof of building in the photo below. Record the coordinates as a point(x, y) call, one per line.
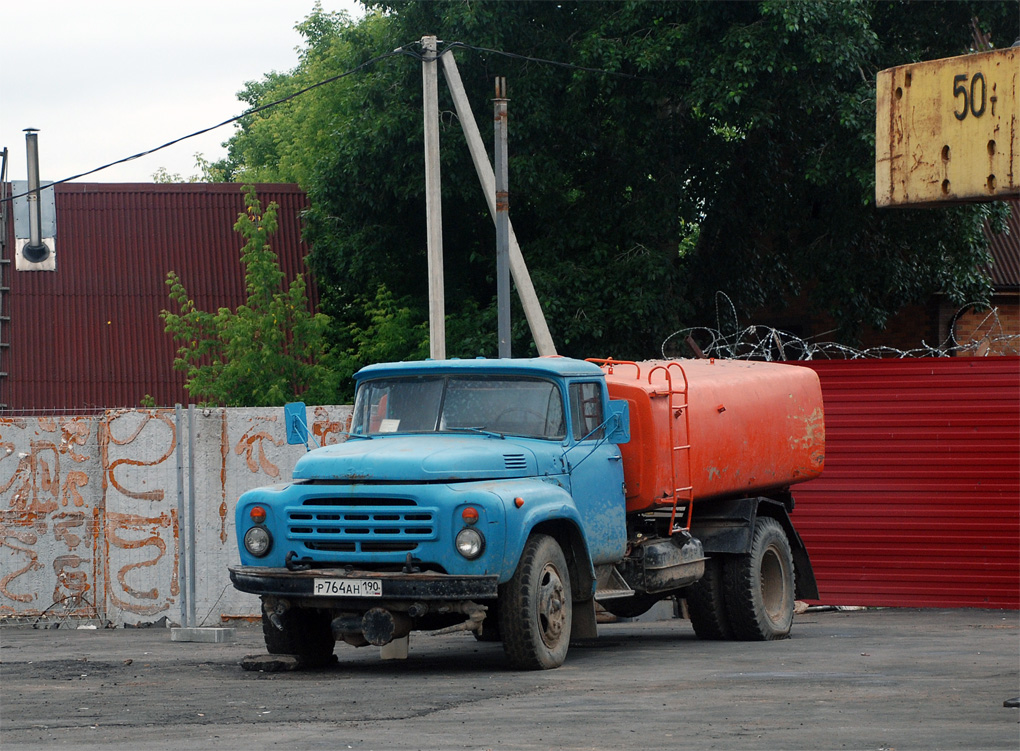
point(1005, 250)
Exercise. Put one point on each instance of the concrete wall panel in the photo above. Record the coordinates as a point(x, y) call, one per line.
point(94, 510)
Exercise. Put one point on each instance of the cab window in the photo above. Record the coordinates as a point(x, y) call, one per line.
point(586, 410)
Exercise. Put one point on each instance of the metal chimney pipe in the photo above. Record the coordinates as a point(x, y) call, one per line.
point(36, 250)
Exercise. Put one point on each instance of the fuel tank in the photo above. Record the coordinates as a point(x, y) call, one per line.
point(704, 429)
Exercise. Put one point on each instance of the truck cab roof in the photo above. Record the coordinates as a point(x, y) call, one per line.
point(556, 367)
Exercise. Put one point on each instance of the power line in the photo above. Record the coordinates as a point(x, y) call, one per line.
point(542, 61)
point(399, 51)
point(246, 113)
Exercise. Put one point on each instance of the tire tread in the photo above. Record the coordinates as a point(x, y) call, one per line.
point(742, 586)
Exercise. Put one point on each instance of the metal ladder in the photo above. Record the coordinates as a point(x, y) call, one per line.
point(681, 452)
point(681, 459)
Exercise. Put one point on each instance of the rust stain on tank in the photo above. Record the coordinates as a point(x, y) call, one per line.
point(812, 439)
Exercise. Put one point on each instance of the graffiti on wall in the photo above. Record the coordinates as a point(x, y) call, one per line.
point(47, 528)
point(140, 527)
point(89, 505)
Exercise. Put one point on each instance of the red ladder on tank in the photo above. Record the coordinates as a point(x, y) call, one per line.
point(678, 406)
point(681, 452)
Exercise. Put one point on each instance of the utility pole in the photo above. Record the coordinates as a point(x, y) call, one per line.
point(433, 201)
point(519, 269)
point(499, 106)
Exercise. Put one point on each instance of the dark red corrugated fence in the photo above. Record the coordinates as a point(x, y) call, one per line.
point(919, 503)
point(89, 334)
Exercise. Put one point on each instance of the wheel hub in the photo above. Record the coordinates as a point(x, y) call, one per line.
point(552, 614)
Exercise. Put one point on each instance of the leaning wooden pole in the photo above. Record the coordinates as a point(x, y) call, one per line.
point(518, 268)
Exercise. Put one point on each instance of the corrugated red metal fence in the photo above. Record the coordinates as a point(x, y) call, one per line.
point(89, 334)
point(919, 503)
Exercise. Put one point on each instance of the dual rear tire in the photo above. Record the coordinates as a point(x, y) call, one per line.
point(747, 597)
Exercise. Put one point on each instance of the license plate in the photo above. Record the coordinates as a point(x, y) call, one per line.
point(347, 588)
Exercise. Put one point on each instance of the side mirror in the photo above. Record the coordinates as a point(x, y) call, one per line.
point(294, 417)
point(618, 427)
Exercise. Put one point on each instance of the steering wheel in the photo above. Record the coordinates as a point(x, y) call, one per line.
point(522, 411)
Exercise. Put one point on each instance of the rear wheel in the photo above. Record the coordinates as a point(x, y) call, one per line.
point(535, 607)
point(759, 587)
point(706, 605)
point(306, 634)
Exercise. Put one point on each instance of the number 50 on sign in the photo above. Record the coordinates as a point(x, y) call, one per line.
point(948, 131)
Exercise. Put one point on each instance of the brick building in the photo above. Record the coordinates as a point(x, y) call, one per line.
point(937, 322)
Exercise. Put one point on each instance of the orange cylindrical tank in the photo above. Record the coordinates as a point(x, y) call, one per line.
point(716, 428)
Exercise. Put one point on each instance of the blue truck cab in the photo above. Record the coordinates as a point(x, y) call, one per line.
point(479, 495)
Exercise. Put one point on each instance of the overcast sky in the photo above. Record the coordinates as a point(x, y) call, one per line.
point(105, 79)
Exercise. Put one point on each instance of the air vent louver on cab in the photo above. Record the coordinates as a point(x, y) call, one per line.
point(515, 461)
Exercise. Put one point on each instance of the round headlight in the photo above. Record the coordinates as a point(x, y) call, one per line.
point(470, 543)
point(257, 541)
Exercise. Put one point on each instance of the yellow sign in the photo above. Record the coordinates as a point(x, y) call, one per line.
point(948, 131)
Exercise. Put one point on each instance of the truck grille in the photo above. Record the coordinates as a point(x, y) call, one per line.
point(337, 525)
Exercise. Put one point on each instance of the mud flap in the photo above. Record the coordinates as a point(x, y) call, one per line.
point(583, 625)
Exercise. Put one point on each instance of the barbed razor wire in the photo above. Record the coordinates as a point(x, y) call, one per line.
point(730, 340)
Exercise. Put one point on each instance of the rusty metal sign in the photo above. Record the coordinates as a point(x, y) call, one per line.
point(948, 131)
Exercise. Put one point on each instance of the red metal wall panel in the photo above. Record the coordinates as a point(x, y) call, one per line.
point(919, 503)
point(89, 334)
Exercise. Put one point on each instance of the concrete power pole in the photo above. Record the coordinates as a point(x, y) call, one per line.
point(433, 201)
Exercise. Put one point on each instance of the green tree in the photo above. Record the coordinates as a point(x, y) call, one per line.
point(208, 172)
point(269, 351)
point(692, 147)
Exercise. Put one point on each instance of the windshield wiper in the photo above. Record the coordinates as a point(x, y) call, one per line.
point(480, 430)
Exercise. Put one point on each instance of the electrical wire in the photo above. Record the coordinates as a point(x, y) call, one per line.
point(402, 50)
point(247, 113)
point(542, 61)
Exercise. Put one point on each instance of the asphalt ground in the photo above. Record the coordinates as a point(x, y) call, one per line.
point(872, 679)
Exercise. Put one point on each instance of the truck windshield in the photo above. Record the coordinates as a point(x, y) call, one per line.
point(529, 407)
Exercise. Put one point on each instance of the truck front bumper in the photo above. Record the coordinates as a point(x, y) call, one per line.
point(282, 582)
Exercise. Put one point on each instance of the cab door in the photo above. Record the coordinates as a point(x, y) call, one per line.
point(595, 467)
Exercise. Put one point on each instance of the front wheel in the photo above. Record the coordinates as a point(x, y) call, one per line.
point(759, 587)
point(535, 607)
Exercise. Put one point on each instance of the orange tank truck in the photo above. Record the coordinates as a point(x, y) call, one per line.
point(714, 429)
point(515, 498)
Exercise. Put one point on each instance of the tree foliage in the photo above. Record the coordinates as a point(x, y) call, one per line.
point(686, 148)
point(269, 351)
